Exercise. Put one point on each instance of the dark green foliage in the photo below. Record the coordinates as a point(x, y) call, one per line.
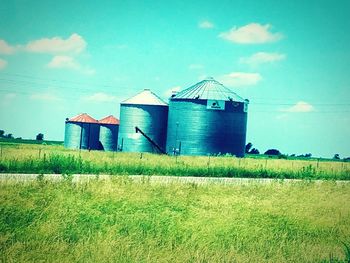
point(248, 147)
point(272, 152)
point(9, 136)
point(254, 151)
point(19, 140)
point(250, 150)
point(347, 252)
point(70, 164)
point(39, 137)
point(15, 218)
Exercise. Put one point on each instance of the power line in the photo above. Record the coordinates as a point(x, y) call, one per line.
point(44, 82)
point(87, 91)
point(57, 83)
point(314, 104)
point(58, 80)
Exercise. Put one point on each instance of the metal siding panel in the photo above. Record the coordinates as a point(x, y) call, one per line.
point(202, 131)
point(72, 135)
point(80, 135)
point(85, 136)
point(152, 120)
point(94, 134)
point(109, 137)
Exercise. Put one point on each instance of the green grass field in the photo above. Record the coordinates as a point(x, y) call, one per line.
point(29, 158)
point(121, 220)
point(28, 141)
point(125, 221)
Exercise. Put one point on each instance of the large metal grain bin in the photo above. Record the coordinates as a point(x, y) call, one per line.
point(149, 114)
point(82, 132)
point(109, 127)
point(207, 118)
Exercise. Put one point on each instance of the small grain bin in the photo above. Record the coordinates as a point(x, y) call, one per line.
point(82, 132)
point(207, 118)
point(149, 114)
point(109, 127)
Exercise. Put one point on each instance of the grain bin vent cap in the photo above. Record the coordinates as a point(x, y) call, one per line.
point(109, 120)
point(208, 89)
point(145, 97)
point(83, 117)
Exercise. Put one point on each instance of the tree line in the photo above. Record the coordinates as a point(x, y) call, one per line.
point(38, 137)
point(274, 152)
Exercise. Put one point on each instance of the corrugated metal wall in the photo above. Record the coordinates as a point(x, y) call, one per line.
point(79, 135)
point(109, 137)
point(151, 119)
point(202, 131)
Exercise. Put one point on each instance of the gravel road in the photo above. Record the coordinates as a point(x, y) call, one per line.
point(77, 178)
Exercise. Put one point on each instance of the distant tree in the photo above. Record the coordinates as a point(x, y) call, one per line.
point(306, 155)
point(40, 137)
point(248, 147)
point(254, 151)
point(282, 156)
point(2, 133)
point(272, 152)
point(336, 156)
point(250, 150)
point(9, 136)
point(19, 138)
point(347, 159)
point(292, 155)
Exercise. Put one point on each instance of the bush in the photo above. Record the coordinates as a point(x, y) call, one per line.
point(272, 152)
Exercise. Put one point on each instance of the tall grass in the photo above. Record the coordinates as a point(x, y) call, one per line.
point(125, 221)
point(56, 159)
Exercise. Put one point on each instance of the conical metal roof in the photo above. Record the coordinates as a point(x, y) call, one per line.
point(145, 97)
point(109, 120)
point(208, 89)
point(83, 117)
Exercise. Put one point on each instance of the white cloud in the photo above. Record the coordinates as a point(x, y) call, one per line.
point(10, 96)
point(206, 25)
point(238, 79)
point(75, 44)
point(195, 66)
point(261, 58)
point(253, 33)
point(67, 62)
point(100, 97)
point(5, 48)
point(63, 62)
point(7, 99)
point(171, 91)
point(300, 106)
point(3, 63)
point(44, 96)
point(88, 71)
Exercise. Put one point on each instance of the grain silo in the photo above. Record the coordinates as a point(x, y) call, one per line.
point(109, 127)
point(143, 123)
point(81, 132)
point(207, 118)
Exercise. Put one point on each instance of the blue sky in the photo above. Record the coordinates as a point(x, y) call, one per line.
point(291, 59)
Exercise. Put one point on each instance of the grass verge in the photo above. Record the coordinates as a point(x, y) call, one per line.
point(125, 221)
